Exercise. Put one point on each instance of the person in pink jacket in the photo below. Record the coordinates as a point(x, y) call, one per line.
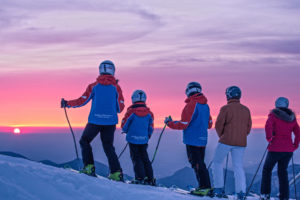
point(279, 127)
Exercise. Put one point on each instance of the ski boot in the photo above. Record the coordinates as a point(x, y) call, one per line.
point(89, 170)
point(116, 176)
point(219, 193)
point(265, 197)
point(150, 181)
point(202, 192)
point(241, 196)
point(138, 181)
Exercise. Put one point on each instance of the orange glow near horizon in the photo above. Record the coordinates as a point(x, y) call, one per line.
point(37, 102)
point(78, 121)
point(258, 122)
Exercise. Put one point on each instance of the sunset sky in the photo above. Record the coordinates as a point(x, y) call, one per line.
point(51, 49)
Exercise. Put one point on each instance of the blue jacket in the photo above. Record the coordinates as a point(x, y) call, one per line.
point(138, 124)
point(107, 101)
point(195, 120)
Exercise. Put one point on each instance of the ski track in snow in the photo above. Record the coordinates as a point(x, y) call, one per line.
point(22, 179)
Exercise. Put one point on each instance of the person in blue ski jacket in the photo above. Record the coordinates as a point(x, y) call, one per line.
point(195, 120)
point(138, 125)
point(107, 101)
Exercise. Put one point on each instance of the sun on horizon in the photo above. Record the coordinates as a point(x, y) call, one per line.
point(17, 131)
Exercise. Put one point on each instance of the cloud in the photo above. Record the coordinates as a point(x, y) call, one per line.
point(284, 45)
point(89, 22)
point(289, 5)
point(142, 33)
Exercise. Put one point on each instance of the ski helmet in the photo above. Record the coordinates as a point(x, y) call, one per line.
point(138, 95)
point(233, 92)
point(282, 102)
point(107, 67)
point(193, 87)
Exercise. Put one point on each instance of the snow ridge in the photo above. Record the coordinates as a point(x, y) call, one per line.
point(22, 179)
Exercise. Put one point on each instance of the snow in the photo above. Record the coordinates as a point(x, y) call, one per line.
point(22, 179)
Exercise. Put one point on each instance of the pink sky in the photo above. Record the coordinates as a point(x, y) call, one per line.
point(52, 49)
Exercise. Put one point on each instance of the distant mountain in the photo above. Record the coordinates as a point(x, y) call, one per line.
point(183, 178)
point(12, 154)
point(48, 162)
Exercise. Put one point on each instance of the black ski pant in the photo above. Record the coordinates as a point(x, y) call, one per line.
point(141, 163)
point(282, 159)
point(107, 138)
point(196, 158)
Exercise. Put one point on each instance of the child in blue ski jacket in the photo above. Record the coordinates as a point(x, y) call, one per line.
point(195, 120)
point(138, 124)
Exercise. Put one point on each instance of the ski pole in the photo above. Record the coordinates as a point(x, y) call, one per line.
point(123, 151)
point(247, 193)
point(225, 176)
point(158, 143)
point(72, 135)
point(294, 177)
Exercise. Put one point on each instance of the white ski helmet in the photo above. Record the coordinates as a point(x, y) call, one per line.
point(282, 102)
point(233, 92)
point(193, 87)
point(138, 95)
point(107, 67)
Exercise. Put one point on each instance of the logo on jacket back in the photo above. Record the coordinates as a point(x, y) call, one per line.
point(138, 137)
point(202, 138)
point(103, 116)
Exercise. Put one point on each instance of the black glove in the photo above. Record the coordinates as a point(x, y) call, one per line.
point(63, 103)
point(168, 119)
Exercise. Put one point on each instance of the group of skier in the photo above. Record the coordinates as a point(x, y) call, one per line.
point(233, 125)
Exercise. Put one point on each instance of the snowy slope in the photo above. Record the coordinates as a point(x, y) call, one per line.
point(21, 179)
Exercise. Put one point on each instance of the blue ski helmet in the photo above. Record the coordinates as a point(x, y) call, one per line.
point(193, 87)
point(282, 102)
point(138, 95)
point(233, 92)
point(107, 67)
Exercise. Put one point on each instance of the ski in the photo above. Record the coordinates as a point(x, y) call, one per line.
point(78, 172)
point(172, 189)
point(186, 192)
point(181, 191)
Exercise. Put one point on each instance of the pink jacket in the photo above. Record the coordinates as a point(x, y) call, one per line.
point(279, 127)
